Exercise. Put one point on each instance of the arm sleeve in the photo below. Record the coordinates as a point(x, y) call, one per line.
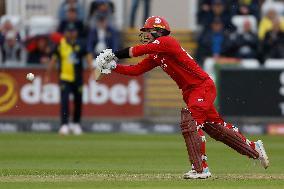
point(158, 46)
point(134, 70)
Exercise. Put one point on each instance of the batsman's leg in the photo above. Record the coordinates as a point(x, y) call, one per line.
point(231, 136)
point(195, 144)
point(217, 129)
point(258, 145)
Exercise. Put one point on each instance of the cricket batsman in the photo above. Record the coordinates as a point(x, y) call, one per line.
point(198, 90)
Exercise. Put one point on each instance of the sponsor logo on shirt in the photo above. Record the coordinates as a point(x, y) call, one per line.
point(164, 66)
point(156, 42)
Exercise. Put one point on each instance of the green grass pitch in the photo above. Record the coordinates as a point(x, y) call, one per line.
point(40, 161)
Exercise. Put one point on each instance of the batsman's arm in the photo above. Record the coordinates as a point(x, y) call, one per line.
point(144, 66)
point(103, 60)
point(157, 46)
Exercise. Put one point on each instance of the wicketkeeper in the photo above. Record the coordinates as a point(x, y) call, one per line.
point(198, 90)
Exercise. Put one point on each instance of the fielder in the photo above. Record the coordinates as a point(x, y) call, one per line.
point(198, 90)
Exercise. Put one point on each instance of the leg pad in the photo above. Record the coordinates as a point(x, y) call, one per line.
point(192, 139)
point(230, 138)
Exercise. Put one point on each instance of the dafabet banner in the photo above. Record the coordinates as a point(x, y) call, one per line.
point(114, 96)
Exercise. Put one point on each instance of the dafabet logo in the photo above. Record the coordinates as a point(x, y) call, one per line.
point(8, 92)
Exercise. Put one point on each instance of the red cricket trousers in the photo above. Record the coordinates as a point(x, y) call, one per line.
point(200, 102)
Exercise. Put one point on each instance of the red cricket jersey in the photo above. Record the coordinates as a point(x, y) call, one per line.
point(167, 53)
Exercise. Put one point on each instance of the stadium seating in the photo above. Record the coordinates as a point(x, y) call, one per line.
point(274, 63)
point(239, 20)
point(250, 63)
point(278, 6)
point(14, 19)
point(39, 25)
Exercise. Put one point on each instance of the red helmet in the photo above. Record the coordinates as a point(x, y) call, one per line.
point(156, 22)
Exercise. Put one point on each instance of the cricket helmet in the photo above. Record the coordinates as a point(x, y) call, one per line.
point(156, 22)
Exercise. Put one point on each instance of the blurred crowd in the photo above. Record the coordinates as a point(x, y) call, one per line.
point(250, 29)
point(34, 44)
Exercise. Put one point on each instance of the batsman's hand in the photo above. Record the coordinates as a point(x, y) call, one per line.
point(104, 63)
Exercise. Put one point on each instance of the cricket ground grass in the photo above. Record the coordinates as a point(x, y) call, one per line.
point(42, 161)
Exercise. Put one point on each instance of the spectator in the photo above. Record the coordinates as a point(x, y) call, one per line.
point(218, 11)
point(5, 28)
point(72, 18)
point(204, 11)
point(102, 36)
point(66, 5)
point(96, 4)
point(212, 42)
point(39, 49)
point(246, 7)
point(266, 23)
point(134, 6)
point(244, 44)
point(12, 53)
point(273, 43)
point(101, 9)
